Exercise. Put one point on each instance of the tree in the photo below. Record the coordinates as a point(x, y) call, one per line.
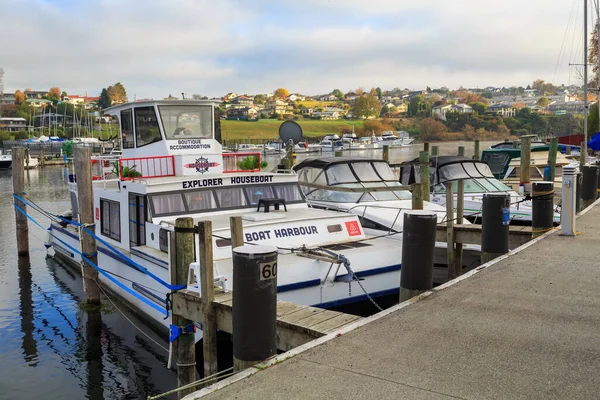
point(360, 91)
point(487, 95)
point(378, 92)
point(338, 93)
point(281, 93)
point(199, 97)
point(104, 100)
point(260, 99)
point(479, 107)
point(117, 93)
point(430, 129)
point(367, 106)
point(593, 57)
point(543, 102)
point(53, 94)
point(63, 95)
point(19, 97)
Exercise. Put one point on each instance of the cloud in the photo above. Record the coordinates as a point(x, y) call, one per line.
point(157, 47)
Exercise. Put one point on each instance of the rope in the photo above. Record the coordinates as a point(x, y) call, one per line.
point(219, 375)
point(130, 321)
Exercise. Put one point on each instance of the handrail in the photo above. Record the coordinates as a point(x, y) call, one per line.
point(240, 158)
point(150, 167)
point(357, 190)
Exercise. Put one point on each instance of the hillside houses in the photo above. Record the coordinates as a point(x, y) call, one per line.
point(441, 111)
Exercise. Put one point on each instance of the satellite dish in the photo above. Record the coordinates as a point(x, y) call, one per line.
point(290, 130)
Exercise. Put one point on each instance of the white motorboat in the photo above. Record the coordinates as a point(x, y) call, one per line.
point(370, 189)
point(5, 159)
point(162, 177)
point(305, 147)
point(478, 180)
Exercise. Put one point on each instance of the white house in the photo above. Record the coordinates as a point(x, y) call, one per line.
point(441, 111)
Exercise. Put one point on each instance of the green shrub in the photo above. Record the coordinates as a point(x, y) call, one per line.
point(21, 135)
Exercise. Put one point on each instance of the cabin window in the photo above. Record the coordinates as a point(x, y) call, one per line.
point(110, 223)
point(365, 172)
point(340, 173)
point(289, 192)
point(127, 129)
point(384, 170)
point(146, 126)
point(231, 197)
point(187, 121)
point(497, 162)
point(200, 200)
point(163, 240)
point(257, 192)
point(167, 203)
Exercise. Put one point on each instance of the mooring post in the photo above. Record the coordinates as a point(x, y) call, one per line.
point(418, 247)
point(569, 198)
point(424, 174)
point(184, 256)
point(417, 197)
point(542, 214)
point(552, 157)
point(589, 190)
point(27, 157)
point(494, 225)
point(338, 153)
point(578, 191)
point(207, 291)
point(526, 163)
point(237, 232)
point(426, 146)
point(435, 150)
point(460, 211)
point(254, 305)
point(568, 150)
point(476, 150)
point(42, 158)
point(18, 180)
point(386, 153)
point(450, 230)
point(85, 196)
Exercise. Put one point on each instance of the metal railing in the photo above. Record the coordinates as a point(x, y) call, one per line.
point(241, 162)
point(146, 167)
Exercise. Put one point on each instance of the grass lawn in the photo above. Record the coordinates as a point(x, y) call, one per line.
point(269, 128)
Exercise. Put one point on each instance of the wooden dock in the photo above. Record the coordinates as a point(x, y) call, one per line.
point(296, 324)
point(471, 234)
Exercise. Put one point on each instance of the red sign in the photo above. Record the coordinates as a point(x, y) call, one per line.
point(353, 228)
point(97, 213)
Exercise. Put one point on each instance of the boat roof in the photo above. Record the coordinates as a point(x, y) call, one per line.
point(447, 169)
point(146, 103)
point(326, 162)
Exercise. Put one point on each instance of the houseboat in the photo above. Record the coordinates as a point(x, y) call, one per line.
point(172, 166)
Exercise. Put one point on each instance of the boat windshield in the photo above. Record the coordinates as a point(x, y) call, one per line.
point(477, 185)
point(210, 200)
point(360, 175)
point(187, 121)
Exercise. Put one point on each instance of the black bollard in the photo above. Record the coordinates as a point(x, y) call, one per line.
point(589, 187)
point(418, 246)
point(542, 215)
point(254, 305)
point(494, 226)
point(579, 187)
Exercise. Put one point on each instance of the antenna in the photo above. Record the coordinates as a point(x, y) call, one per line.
point(290, 130)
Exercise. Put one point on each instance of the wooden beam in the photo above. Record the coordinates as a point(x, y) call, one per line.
point(471, 234)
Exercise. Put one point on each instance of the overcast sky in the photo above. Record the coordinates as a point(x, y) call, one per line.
point(161, 47)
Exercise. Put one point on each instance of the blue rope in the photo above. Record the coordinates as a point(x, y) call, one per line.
point(111, 248)
point(100, 270)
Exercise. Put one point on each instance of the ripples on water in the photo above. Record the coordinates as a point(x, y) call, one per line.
point(44, 348)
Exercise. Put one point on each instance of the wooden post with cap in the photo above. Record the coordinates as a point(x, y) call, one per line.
point(18, 180)
point(85, 197)
point(184, 256)
point(207, 290)
point(460, 210)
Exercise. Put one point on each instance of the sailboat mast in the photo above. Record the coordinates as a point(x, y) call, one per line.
point(598, 57)
point(583, 151)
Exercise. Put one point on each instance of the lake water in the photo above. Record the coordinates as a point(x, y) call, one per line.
point(44, 347)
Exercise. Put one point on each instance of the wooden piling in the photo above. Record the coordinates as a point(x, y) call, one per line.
point(237, 232)
point(435, 150)
point(552, 157)
point(18, 178)
point(83, 173)
point(417, 197)
point(426, 147)
point(476, 156)
point(184, 256)
point(338, 153)
point(460, 210)
point(526, 163)
point(424, 175)
point(450, 229)
point(207, 290)
point(27, 157)
point(386, 153)
point(42, 158)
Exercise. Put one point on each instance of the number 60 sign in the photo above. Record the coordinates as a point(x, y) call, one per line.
point(267, 271)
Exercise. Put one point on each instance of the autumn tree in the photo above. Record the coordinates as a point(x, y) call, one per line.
point(117, 93)
point(53, 94)
point(367, 105)
point(430, 129)
point(104, 100)
point(260, 99)
point(359, 91)
point(281, 93)
point(19, 97)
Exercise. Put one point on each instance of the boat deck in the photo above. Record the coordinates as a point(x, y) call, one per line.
point(525, 327)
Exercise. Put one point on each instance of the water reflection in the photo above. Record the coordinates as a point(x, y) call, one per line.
point(29, 344)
